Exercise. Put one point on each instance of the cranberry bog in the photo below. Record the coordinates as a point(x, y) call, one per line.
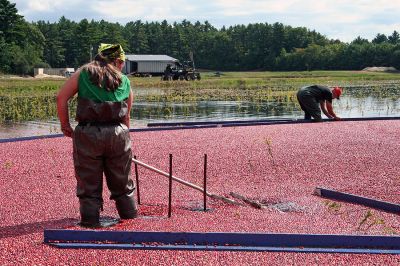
point(277, 166)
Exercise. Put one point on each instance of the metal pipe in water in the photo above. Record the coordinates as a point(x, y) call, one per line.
point(183, 182)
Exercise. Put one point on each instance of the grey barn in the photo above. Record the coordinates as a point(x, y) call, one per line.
point(147, 64)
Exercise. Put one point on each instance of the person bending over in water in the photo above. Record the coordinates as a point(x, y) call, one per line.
point(313, 99)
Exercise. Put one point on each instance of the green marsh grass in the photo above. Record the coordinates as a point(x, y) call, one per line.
point(23, 99)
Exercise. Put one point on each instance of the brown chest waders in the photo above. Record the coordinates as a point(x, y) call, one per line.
point(101, 144)
point(309, 105)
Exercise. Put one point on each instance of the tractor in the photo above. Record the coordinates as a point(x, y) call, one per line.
point(179, 71)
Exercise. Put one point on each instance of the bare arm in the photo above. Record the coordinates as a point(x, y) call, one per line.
point(130, 101)
point(323, 105)
point(67, 91)
point(329, 108)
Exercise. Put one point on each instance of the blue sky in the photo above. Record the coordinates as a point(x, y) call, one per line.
point(336, 19)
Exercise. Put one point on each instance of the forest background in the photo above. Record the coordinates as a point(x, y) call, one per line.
point(258, 46)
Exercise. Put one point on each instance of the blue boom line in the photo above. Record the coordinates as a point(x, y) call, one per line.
point(211, 124)
point(222, 241)
point(373, 203)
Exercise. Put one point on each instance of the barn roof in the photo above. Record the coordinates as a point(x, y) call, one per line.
point(150, 57)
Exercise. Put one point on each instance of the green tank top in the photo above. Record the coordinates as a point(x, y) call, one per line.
point(87, 90)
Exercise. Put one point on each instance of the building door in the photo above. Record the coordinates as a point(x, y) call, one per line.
point(134, 67)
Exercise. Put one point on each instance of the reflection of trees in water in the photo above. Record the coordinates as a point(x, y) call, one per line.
point(369, 102)
point(369, 105)
point(356, 101)
point(207, 109)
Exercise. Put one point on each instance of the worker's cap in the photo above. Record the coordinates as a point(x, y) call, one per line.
point(337, 91)
point(112, 51)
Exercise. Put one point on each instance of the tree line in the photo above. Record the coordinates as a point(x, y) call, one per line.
point(257, 46)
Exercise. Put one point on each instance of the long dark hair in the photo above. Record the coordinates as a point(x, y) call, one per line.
point(103, 73)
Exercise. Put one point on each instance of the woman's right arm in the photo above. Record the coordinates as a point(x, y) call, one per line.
point(67, 91)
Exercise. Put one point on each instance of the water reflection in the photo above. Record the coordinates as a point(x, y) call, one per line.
point(212, 110)
point(353, 104)
point(348, 106)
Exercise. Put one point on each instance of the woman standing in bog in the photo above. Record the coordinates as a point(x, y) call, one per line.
point(101, 140)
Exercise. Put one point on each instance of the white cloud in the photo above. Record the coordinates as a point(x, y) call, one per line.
point(144, 10)
point(328, 11)
point(32, 6)
point(243, 7)
point(304, 7)
point(340, 19)
point(38, 5)
point(343, 19)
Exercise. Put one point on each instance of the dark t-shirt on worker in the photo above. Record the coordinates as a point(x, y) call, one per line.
point(318, 92)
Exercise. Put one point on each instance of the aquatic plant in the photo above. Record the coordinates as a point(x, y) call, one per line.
point(34, 99)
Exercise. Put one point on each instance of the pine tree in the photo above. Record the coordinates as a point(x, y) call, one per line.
point(9, 19)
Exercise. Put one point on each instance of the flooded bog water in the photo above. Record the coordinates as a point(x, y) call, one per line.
point(351, 105)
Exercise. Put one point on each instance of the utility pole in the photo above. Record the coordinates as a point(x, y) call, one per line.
point(191, 58)
point(91, 52)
